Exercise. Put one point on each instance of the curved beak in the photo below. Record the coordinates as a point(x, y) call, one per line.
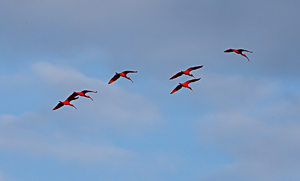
point(247, 58)
point(191, 89)
point(74, 107)
point(129, 79)
point(91, 98)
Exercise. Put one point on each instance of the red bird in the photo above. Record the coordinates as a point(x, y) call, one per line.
point(82, 93)
point(67, 101)
point(186, 72)
point(123, 74)
point(239, 51)
point(186, 84)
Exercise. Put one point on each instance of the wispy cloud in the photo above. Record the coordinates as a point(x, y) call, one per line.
point(2, 176)
point(113, 110)
point(263, 142)
point(113, 105)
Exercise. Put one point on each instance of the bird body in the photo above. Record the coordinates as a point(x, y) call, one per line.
point(186, 72)
point(67, 101)
point(185, 84)
point(122, 74)
point(238, 51)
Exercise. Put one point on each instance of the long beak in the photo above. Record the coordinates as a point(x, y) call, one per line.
point(91, 98)
point(192, 89)
point(129, 79)
point(191, 75)
point(247, 58)
point(74, 107)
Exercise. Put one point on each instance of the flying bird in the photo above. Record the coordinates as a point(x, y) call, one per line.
point(122, 74)
point(82, 93)
point(239, 51)
point(186, 84)
point(186, 72)
point(67, 101)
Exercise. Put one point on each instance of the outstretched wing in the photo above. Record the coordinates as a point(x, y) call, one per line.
point(242, 50)
point(129, 71)
point(229, 50)
point(193, 80)
point(176, 89)
point(85, 91)
point(194, 68)
point(115, 77)
point(72, 97)
point(176, 75)
point(59, 105)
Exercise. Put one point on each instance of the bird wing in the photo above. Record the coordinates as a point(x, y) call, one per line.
point(115, 77)
point(194, 68)
point(85, 91)
point(176, 89)
point(176, 75)
point(72, 97)
point(193, 80)
point(229, 50)
point(241, 50)
point(59, 105)
point(129, 71)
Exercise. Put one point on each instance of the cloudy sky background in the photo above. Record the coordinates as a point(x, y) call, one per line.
point(241, 124)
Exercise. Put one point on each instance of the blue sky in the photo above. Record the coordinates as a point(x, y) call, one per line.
point(242, 123)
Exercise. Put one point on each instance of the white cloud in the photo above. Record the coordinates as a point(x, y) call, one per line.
point(4, 177)
point(80, 134)
point(60, 77)
point(112, 105)
point(14, 81)
point(262, 151)
point(261, 132)
point(228, 92)
point(31, 134)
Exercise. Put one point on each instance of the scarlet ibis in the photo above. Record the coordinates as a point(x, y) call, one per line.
point(186, 84)
point(67, 101)
point(186, 72)
point(123, 74)
point(82, 93)
point(238, 51)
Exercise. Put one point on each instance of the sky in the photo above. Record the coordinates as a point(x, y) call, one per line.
point(242, 123)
